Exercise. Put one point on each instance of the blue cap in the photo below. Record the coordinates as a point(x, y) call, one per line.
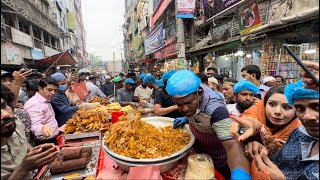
point(298, 91)
point(245, 85)
point(160, 83)
point(129, 81)
point(149, 78)
point(142, 76)
point(167, 75)
point(58, 76)
point(183, 83)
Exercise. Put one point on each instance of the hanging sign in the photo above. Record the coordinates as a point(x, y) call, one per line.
point(36, 54)
point(249, 17)
point(186, 8)
point(229, 3)
point(154, 41)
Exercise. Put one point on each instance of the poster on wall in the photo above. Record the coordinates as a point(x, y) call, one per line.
point(249, 17)
point(186, 8)
point(13, 54)
point(154, 41)
point(229, 3)
point(36, 54)
point(212, 7)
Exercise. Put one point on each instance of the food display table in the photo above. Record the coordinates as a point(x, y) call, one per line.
point(108, 169)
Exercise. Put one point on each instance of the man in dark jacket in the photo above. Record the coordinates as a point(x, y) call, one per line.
point(60, 103)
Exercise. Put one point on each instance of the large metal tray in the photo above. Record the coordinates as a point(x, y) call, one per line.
point(91, 168)
point(157, 122)
point(164, 166)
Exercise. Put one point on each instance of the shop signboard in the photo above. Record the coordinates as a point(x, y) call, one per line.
point(168, 51)
point(71, 20)
point(13, 54)
point(229, 3)
point(36, 54)
point(154, 41)
point(186, 8)
point(249, 17)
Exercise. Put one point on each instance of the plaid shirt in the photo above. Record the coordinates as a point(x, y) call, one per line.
point(124, 96)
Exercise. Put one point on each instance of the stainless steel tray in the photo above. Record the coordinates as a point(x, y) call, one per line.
point(164, 166)
point(157, 122)
point(91, 168)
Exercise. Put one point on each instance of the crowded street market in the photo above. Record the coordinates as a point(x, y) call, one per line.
point(200, 90)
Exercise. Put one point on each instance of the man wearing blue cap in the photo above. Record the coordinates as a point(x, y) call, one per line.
point(164, 105)
point(125, 95)
point(299, 157)
point(60, 103)
point(142, 92)
point(244, 92)
point(209, 122)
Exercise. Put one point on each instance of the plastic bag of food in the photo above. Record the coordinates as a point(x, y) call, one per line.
point(200, 166)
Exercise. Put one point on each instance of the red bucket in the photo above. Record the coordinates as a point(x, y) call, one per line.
point(115, 116)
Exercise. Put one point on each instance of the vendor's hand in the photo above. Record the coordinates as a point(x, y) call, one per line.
point(47, 131)
point(308, 82)
point(248, 123)
point(255, 148)
point(143, 102)
point(179, 121)
point(134, 104)
point(38, 157)
point(20, 76)
point(264, 163)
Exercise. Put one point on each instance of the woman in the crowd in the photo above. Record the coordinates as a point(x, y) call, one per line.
point(227, 90)
point(269, 122)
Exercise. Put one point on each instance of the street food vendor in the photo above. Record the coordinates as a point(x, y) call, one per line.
point(163, 102)
point(209, 122)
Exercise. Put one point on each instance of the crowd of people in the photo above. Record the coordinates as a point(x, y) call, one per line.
point(254, 128)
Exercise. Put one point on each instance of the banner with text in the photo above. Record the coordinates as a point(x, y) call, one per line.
point(229, 3)
point(154, 41)
point(186, 8)
point(249, 17)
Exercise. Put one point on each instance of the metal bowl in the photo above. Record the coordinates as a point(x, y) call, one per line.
point(157, 122)
point(164, 166)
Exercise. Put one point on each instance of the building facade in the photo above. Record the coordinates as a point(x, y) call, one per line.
point(36, 29)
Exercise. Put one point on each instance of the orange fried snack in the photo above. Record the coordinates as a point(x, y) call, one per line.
point(138, 139)
point(88, 121)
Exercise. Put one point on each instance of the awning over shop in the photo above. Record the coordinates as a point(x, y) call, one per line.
point(301, 16)
point(230, 43)
point(64, 58)
point(150, 60)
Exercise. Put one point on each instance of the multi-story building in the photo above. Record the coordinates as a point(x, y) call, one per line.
point(36, 29)
point(233, 34)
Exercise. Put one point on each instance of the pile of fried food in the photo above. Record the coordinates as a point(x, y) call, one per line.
point(70, 159)
point(138, 139)
point(88, 121)
point(102, 101)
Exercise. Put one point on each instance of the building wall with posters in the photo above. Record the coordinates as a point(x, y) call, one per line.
point(34, 29)
point(218, 35)
point(164, 13)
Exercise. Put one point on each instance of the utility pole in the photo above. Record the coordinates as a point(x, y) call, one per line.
point(180, 47)
point(114, 62)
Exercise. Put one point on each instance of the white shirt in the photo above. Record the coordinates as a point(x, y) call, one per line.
point(232, 108)
point(144, 93)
